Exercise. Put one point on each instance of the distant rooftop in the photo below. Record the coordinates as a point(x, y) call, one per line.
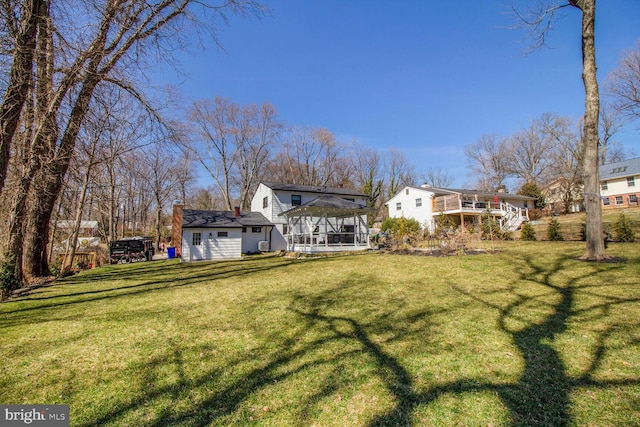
point(323, 189)
point(620, 169)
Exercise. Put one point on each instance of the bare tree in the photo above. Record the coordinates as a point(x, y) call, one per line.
point(160, 177)
point(369, 177)
point(624, 84)
point(489, 161)
point(400, 172)
point(313, 156)
point(72, 59)
point(232, 143)
point(23, 32)
point(437, 177)
point(539, 22)
point(257, 132)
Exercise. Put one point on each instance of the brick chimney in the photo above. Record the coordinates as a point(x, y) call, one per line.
point(176, 229)
point(236, 211)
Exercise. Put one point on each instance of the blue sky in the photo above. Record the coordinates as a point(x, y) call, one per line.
point(425, 77)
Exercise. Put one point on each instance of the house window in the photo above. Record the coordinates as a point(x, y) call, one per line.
point(618, 200)
point(633, 198)
point(526, 205)
point(223, 234)
point(631, 182)
point(285, 229)
point(244, 229)
point(265, 201)
point(606, 201)
point(256, 229)
point(296, 199)
point(398, 206)
point(418, 202)
point(604, 185)
point(406, 191)
point(196, 239)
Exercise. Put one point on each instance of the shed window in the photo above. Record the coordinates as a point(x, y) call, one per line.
point(296, 199)
point(196, 239)
point(418, 202)
point(631, 182)
point(398, 206)
point(223, 234)
point(265, 201)
point(256, 229)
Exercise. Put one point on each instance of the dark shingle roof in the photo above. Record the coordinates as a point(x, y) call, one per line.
point(622, 169)
point(192, 218)
point(313, 189)
point(331, 205)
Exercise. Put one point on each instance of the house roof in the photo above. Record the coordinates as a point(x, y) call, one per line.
point(83, 224)
point(323, 189)
point(481, 194)
point(491, 194)
point(192, 218)
point(330, 205)
point(622, 169)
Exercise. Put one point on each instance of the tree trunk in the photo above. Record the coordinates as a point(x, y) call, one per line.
point(35, 260)
point(595, 250)
point(68, 262)
point(19, 81)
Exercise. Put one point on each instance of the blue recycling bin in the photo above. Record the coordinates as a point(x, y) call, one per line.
point(171, 252)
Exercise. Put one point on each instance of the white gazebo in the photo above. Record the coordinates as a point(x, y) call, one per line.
point(327, 224)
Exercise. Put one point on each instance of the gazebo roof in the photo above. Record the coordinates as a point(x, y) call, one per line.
point(330, 206)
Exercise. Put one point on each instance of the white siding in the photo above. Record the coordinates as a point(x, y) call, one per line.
point(618, 186)
point(256, 202)
point(423, 214)
point(250, 239)
point(280, 201)
point(212, 246)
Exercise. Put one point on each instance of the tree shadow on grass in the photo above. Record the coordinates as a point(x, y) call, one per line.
point(134, 284)
point(540, 396)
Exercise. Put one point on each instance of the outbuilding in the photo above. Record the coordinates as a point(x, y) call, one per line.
point(216, 235)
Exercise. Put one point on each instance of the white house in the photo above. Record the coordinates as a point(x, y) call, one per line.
point(426, 204)
point(213, 235)
point(620, 183)
point(313, 218)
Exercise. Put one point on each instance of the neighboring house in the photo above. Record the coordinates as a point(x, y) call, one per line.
point(429, 204)
point(88, 234)
point(87, 228)
point(314, 218)
point(620, 184)
point(213, 235)
point(564, 195)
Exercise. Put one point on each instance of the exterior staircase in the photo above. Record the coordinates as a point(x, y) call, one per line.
point(513, 217)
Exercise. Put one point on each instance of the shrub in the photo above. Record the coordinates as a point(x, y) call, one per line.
point(553, 232)
point(527, 232)
point(624, 231)
point(8, 280)
point(491, 229)
point(402, 230)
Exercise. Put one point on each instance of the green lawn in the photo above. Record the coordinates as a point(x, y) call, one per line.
point(526, 336)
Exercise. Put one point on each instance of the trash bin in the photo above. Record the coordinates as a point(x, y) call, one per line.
point(171, 252)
